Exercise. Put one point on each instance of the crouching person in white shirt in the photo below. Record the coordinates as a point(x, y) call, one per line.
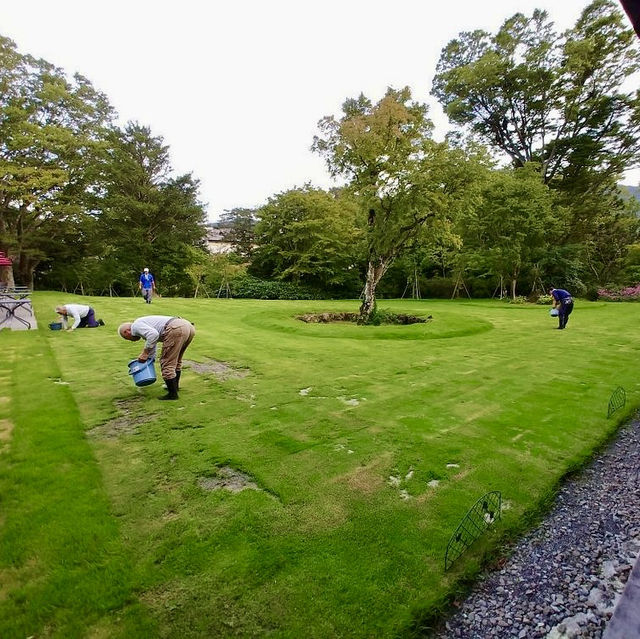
point(83, 316)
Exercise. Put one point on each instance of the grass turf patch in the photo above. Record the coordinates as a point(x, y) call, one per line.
point(344, 430)
point(62, 562)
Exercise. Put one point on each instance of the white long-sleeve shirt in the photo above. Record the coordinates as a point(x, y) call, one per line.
point(151, 328)
point(77, 311)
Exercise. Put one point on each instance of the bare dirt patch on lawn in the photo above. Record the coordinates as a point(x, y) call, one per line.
point(227, 478)
point(125, 424)
point(367, 479)
point(6, 429)
point(221, 370)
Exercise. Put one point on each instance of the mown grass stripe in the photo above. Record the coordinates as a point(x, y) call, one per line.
point(62, 562)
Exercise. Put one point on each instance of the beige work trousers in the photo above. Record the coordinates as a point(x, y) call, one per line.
point(177, 335)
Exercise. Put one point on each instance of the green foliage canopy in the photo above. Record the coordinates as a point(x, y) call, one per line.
point(308, 236)
point(51, 133)
point(398, 173)
point(240, 224)
point(148, 217)
point(515, 222)
point(558, 100)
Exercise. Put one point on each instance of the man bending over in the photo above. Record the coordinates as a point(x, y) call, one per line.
point(175, 334)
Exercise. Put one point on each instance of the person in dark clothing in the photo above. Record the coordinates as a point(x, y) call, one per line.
point(562, 301)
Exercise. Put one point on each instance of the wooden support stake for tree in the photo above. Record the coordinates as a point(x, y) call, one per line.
point(460, 285)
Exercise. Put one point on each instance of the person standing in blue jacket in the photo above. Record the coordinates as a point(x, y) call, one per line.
point(563, 301)
point(147, 285)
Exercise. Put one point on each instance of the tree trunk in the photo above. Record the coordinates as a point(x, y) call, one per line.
point(375, 271)
point(514, 281)
point(6, 276)
point(25, 270)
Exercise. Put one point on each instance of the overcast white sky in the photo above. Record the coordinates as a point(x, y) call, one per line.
point(236, 88)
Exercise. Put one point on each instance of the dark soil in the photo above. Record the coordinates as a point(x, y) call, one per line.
point(326, 318)
point(389, 318)
point(228, 478)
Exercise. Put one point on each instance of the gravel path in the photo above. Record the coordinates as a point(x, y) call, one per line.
point(565, 578)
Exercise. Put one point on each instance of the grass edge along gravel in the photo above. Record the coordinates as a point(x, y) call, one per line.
point(491, 550)
point(63, 568)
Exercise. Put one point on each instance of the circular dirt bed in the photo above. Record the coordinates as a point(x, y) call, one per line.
point(388, 318)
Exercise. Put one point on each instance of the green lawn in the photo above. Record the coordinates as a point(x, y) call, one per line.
point(106, 531)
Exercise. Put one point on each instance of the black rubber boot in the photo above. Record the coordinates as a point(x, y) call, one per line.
point(172, 387)
point(178, 380)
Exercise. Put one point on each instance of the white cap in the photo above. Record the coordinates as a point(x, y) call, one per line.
point(145, 269)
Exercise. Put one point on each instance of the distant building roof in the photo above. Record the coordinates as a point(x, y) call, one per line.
point(217, 241)
point(217, 234)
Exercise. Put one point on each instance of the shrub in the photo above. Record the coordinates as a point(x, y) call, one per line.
point(627, 294)
point(384, 316)
point(254, 288)
point(608, 295)
point(380, 316)
point(437, 287)
point(630, 293)
point(591, 293)
point(480, 287)
point(544, 299)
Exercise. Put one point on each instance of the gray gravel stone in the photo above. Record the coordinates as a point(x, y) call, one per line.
point(565, 578)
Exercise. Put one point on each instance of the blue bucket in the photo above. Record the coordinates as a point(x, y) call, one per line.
point(55, 326)
point(554, 312)
point(143, 372)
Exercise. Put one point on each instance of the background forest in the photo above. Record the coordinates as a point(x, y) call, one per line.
point(523, 194)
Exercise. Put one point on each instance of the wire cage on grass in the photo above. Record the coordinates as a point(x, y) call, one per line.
point(480, 516)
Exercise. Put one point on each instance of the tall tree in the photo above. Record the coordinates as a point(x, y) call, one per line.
point(613, 229)
point(51, 128)
point(557, 100)
point(515, 221)
point(308, 236)
point(401, 176)
point(240, 224)
point(148, 217)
